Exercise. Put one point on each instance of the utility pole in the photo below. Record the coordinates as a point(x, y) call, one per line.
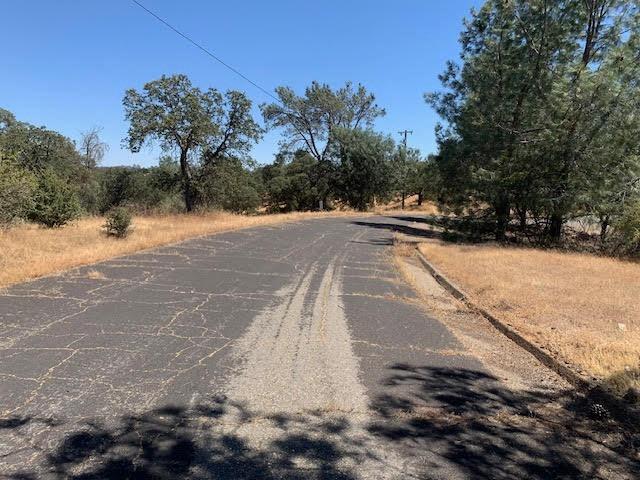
point(404, 133)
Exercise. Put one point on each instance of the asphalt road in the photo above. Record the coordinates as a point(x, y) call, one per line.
point(294, 351)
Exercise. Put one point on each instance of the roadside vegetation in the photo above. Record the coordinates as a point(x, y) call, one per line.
point(584, 308)
point(331, 158)
point(60, 208)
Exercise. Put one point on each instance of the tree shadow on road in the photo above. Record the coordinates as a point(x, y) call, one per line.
point(444, 423)
point(380, 242)
point(399, 228)
point(176, 442)
point(465, 229)
point(481, 429)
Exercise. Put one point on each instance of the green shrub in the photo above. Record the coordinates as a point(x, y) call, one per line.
point(118, 222)
point(227, 185)
point(140, 189)
point(629, 227)
point(55, 201)
point(16, 191)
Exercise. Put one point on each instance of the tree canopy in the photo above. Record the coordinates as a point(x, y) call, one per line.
point(364, 166)
point(181, 117)
point(92, 148)
point(309, 121)
point(541, 115)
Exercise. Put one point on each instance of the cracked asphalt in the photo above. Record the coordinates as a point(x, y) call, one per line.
point(292, 351)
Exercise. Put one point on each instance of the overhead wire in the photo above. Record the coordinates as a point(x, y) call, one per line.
point(205, 50)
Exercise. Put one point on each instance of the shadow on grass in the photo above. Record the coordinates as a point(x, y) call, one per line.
point(481, 229)
point(452, 229)
point(442, 422)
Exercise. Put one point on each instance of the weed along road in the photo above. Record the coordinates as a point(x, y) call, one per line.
point(294, 351)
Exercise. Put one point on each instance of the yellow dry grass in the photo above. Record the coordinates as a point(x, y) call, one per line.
point(403, 249)
point(410, 206)
point(584, 308)
point(28, 251)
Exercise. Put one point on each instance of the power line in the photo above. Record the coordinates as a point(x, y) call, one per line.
point(197, 45)
point(219, 60)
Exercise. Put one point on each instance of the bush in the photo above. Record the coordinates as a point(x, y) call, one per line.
point(16, 191)
point(118, 222)
point(89, 196)
point(226, 184)
point(55, 202)
point(140, 189)
point(629, 227)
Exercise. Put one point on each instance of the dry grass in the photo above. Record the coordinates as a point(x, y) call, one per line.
point(410, 206)
point(29, 251)
point(403, 249)
point(584, 308)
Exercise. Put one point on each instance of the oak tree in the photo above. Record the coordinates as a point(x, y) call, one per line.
point(198, 124)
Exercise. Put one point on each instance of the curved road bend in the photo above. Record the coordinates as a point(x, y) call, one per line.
point(291, 352)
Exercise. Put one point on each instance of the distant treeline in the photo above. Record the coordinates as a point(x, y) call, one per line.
point(47, 178)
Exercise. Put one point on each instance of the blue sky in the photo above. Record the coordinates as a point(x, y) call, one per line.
point(67, 63)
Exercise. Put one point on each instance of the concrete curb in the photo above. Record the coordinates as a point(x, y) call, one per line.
point(620, 409)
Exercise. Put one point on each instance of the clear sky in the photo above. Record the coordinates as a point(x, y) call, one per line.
point(67, 63)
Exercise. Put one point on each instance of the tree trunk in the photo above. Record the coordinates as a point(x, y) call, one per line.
point(186, 181)
point(502, 219)
point(420, 198)
point(523, 218)
point(604, 226)
point(403, 195)
point(555, 226)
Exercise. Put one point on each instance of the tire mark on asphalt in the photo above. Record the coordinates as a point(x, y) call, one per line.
point(297, 361)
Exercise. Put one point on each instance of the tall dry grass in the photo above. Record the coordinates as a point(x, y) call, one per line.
point(584, 308)
point(29, 251)
point(410, 206)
